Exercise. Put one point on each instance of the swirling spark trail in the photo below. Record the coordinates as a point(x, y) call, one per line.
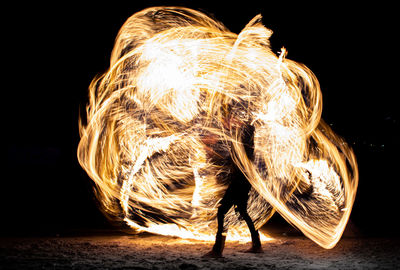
point(159, 114)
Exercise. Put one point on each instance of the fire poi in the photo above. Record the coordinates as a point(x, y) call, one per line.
point(161, 108)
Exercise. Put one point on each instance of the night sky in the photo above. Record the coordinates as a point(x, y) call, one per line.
point(53, 52)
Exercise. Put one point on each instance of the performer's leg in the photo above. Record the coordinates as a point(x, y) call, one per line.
point(220, 237)
point(222, 210)
point(222, 231)
point(255, 236)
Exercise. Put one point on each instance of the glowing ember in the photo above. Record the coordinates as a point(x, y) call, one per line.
point(155, 114)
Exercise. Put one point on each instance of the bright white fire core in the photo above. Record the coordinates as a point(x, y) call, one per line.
point(160, 111)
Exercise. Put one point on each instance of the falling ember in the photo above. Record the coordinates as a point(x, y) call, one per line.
point(154, 115)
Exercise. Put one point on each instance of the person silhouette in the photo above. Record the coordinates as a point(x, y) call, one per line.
point(237, 195)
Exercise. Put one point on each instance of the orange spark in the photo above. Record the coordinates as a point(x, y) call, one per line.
point(153, 116)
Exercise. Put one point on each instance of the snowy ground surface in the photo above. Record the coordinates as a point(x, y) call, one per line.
point(159, 252)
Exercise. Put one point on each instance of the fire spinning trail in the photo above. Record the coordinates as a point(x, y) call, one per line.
point(174, 75)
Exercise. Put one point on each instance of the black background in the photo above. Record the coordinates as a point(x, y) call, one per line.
point(52, 52)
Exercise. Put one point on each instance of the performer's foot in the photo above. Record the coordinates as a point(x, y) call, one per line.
point(218, 248)
point(255, 249)
point(212, 254)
